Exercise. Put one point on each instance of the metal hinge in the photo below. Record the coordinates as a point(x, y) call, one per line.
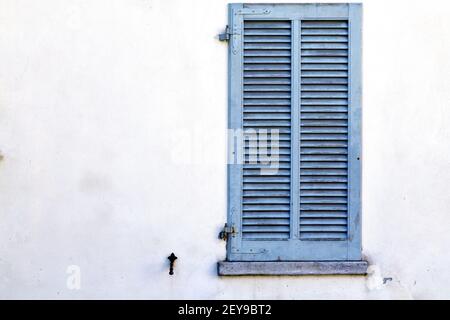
point(226, 231)
point(225, 36)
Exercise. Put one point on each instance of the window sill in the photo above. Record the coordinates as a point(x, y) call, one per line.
point(292, 268)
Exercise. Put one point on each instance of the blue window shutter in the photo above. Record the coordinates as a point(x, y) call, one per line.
point(295, 68)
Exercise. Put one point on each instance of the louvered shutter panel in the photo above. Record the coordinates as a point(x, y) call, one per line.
point(324, 130)
point(295, 69)
point(266, 106)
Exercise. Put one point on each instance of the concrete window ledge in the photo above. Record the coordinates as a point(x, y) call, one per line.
point(292, 268)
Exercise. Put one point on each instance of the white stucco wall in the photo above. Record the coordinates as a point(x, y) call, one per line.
point(113, 136)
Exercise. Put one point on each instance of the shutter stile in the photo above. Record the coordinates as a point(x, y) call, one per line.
point(266, 105)
point(324, 130)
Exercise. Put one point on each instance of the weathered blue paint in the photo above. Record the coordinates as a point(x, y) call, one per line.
point(234, 122)
point(316, 64)
point(295, 134)
point(355, 152)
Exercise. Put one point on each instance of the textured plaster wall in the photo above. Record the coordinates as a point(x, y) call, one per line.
point(113, 137)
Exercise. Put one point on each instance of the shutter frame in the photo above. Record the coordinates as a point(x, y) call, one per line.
point(294, 249)
point(355, 151)
point(235, 93)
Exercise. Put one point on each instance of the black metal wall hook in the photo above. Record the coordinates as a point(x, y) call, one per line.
point(172, 259)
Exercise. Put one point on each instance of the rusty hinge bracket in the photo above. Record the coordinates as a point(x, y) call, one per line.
point(226, 231)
